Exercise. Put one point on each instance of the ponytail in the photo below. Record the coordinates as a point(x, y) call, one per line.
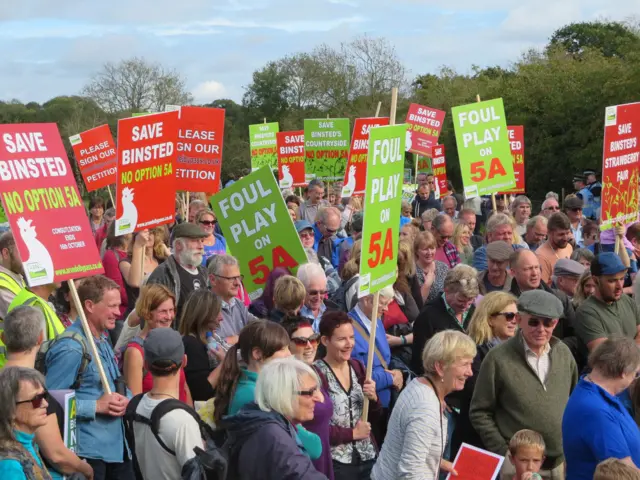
point(227, 383)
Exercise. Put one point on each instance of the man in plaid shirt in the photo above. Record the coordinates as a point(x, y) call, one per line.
point(442, 228)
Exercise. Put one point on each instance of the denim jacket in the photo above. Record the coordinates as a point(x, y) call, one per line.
point(100, 437)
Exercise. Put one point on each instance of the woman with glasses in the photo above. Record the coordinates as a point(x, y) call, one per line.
point(23, 409)
point(214, 244)
point(263, 439)
point(493, 322)
point(353, 449)
point(304, 346)
point(314, 280)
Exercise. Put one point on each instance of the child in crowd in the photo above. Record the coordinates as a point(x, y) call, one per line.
point(615, 469)
point(526, 454)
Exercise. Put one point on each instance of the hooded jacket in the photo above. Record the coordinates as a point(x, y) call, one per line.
point(265, 445)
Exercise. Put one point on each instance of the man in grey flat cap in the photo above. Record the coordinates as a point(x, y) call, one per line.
point(525, 383)
point(565, 276)
point(495, 277)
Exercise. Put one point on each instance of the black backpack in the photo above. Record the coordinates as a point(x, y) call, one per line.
point(209, 464)
point(340, 295)
point(41, 356)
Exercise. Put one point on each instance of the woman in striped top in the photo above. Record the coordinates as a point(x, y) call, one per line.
point(417, 430)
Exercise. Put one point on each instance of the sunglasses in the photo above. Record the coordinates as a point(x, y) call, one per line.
point(307, 234)
point(313, 293)
point(303, 341)
point(208, 223)
point(330, 230)
point(308, 393)
point(36, 402)
point(535, 322)
point(510, 316)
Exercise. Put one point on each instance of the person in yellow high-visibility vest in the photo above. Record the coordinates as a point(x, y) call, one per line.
point(11, 279)
point(37, 297)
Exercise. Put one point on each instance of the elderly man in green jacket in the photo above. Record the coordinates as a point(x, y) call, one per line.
point(525, 383)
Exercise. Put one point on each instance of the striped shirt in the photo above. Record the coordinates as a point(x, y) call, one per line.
point(415, 437)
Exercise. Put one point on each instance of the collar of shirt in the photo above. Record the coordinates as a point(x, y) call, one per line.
point(453, 313)
point(363, 318)
point(229, 305)
point(306, 312)
point(528, 352)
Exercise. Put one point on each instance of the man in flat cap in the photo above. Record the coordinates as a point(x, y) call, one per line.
point(525, 383)
point(583, 193)
point(495, 277)
point(565, 276)
point(608, 311)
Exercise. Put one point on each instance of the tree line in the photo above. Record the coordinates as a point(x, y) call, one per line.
point(558, 93)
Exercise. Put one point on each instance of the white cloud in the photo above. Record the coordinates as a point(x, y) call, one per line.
point(207, 92)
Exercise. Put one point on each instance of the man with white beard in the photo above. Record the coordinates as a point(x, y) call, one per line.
point(182, 272)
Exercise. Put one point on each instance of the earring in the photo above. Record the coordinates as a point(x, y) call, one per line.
point(442, 379)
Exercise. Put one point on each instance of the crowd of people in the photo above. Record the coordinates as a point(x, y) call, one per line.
point(507, 328)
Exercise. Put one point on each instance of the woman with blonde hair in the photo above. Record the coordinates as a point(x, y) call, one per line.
point(462, 240)
point(214, 244)
point(288, 298)
point(494, 321)
point(585, 288)
point(430, 272)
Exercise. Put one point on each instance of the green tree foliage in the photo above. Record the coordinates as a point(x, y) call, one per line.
point(612, 39)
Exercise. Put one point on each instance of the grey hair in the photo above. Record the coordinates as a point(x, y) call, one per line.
point(533, 221)
point(552, 195)
point(197, 202)
point(387, 292)
point(11, 379)
point(580, 253)
point(440, 221)
point(219, 261)
point(446, 347)
point(450, 197)
point(324, 213)
point(429, 215)
point(497, 220)
point(22, 328)
point(308, 272)
point(547, 200)
point(615, 356)
point(316, 182)
point(278, 384)
point(519, 200)
point(462, 279)
point(312, 256)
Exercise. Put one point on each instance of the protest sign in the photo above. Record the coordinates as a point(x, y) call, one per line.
point(423, 164)
point(3, 215)
point(485, 157)
point(43, 205)
point(263, 145)
point(355, 178)
point(477, 464)
point(146, 181)
point(326, 148)
point(291, 159)
point(67, 400)
point(425, 124)
point(440, 186)
point(96, 156)
point(383, 201)
point(516, 143)
point(199, 146)
point(620, 165)
point(258, 228)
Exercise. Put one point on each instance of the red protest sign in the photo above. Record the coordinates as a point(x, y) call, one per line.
point(620, 165)
point(291, 159)
point(355, 176)
point(43, 205)
point(199, 147)
point(439, 171)
point(516, 142)
point(96, 156)
point(146, 186)
point(425, 124)
point(477, 464)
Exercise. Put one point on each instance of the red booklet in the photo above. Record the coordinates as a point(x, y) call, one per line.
point(473, 463)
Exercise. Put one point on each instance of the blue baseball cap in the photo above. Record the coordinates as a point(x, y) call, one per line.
point(607, 263)
point(303, 225)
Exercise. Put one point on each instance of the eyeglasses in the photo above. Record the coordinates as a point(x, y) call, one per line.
point(302, 341)
point(308, 393)
point(510, 316)
point(313, 293)
point(232, 279)
point(306, 234)
point(36, 402)
point(330, 230)
point(534, 322)
point(207, 223)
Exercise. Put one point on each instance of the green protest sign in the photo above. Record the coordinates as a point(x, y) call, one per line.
point(263, 145)
point(485, 156)
point(258, 228)
point(326, 147)
point(383, 200)
point(3, 215)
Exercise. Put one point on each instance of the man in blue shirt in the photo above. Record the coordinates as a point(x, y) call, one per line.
point(100, 430)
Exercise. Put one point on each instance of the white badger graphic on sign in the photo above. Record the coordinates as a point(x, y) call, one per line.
point(350, 187)
point(129, 219)
point(39, 266)
point(287, 179)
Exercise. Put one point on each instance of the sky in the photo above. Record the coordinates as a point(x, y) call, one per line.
point(53, 47)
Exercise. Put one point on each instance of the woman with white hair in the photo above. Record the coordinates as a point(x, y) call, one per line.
point(314, 280)
point(386, 380)
point(417, 432)
point(262, 438)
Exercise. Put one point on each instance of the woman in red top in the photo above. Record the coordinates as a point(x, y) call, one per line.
point(115, 253)
point(156, 305)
